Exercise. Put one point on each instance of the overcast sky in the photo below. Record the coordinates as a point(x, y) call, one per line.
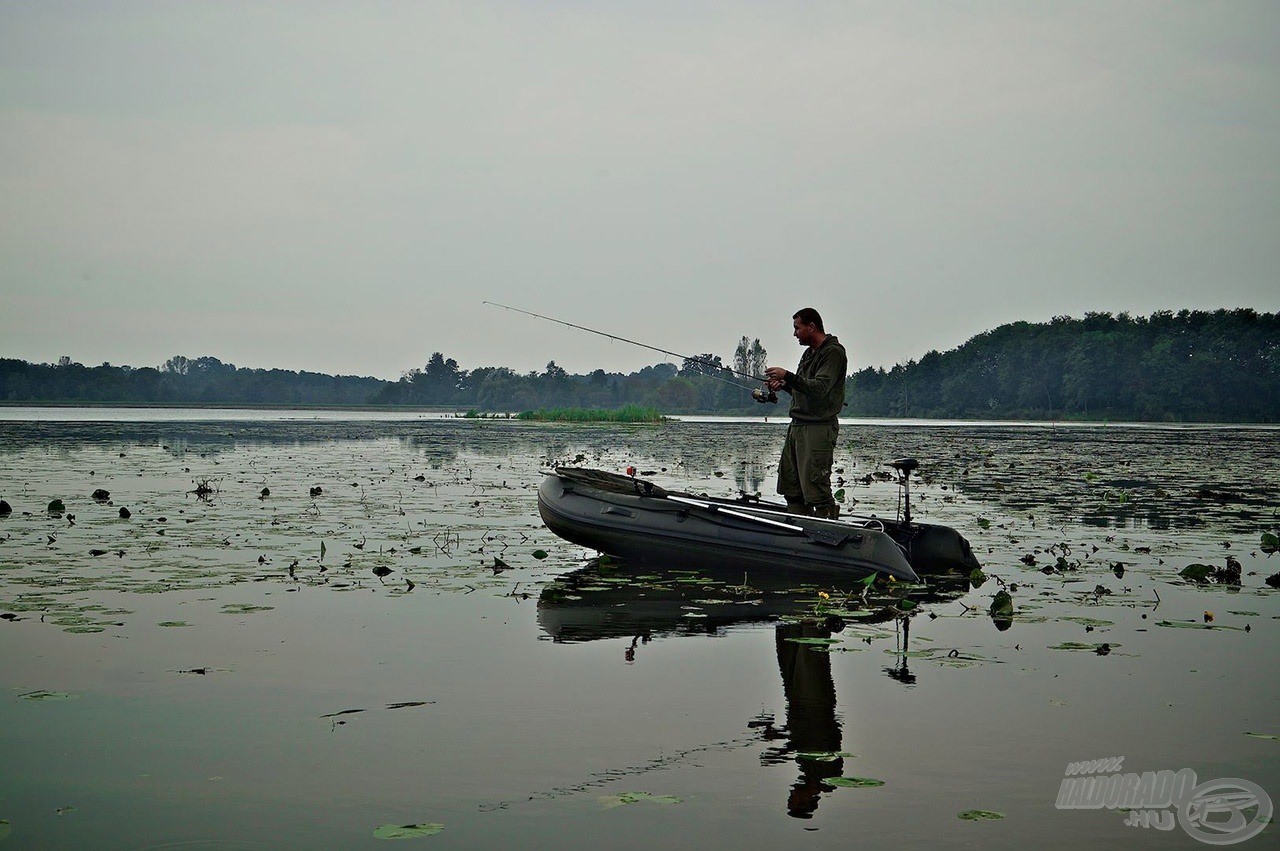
point(338, 186)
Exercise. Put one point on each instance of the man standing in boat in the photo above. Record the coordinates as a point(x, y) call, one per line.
point(817, 397)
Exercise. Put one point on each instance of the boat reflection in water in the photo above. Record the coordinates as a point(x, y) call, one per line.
point(617, 600)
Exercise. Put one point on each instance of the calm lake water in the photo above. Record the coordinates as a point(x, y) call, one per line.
point(252, 666)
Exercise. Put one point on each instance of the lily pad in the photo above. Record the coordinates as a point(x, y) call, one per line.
point(611, 801)
point(244, 608)
point(173, 623)
point(1094, 622)
point(1264, 736)
point(539, 554)
point(823, 756)
point(818, 641)
point(978, 815)
point(1196, 572)
point(853, 782)
point(48, 695)
point(1194, 625)
point(407, 831)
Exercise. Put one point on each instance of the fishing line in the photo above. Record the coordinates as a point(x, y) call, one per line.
point(759, 398)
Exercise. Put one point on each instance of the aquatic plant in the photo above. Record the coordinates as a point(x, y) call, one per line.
point(625, 414)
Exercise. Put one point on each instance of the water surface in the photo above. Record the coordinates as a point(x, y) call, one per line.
point(237, 669)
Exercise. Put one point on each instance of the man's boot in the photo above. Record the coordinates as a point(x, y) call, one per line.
point(796, 506)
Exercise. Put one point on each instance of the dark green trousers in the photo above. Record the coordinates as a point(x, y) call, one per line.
point(804, 473)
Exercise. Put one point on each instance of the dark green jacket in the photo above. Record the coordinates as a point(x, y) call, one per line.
point(817, 385)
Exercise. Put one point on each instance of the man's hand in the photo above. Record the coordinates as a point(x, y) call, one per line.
point(776, 373)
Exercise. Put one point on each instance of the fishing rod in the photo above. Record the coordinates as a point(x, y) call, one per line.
point(765, 395)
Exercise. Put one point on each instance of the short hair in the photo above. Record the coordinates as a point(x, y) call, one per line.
point(809, 316)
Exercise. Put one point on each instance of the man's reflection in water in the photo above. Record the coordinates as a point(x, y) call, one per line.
point(812, 726)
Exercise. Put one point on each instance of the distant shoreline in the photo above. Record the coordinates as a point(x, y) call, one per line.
point(438, 413)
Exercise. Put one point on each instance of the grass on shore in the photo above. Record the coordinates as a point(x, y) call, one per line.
point(625, 414)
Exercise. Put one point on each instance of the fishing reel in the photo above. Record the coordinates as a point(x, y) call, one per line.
point(763, 395)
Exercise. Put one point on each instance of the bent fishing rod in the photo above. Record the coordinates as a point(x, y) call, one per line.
point(759, 395)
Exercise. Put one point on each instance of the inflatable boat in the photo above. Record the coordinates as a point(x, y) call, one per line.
point(637, 520)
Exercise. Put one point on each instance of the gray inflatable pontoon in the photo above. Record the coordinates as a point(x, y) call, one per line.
point(637, 520)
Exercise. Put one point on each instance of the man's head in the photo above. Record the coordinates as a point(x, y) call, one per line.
point(807, 324)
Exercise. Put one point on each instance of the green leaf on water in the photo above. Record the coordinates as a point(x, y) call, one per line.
point(1270, 542)
point(1095, 622)
point(1195, 625)
point(824, 756)
point(853, 782)
point(407, 831)
point(82, 628)
point(609, 802)
point(983, 523)
point(1002, 604)
point(539, 554)
point(1196, 572)
point(1080, 645)
point(173, 623)
point(57, 507)
point(819, 641)
point(244, 608)
point(978, 815)
point(48, 695)
point(1264, 736)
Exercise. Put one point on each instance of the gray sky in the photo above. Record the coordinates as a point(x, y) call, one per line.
point(337, 186)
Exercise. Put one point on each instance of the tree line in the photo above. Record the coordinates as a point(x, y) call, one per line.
point(1189, 366)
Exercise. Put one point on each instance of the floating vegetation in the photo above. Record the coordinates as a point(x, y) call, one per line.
point(1102, 649)
point(43, 695)
point(1197, 625)
point(173, 623)
point(979, 815)
point(853, 782)
point(625, 414)
point(244, 608)
point(1088, 622)
point(824, 756)
point(610, 802)
point(407, 831)
point(1264, 736)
